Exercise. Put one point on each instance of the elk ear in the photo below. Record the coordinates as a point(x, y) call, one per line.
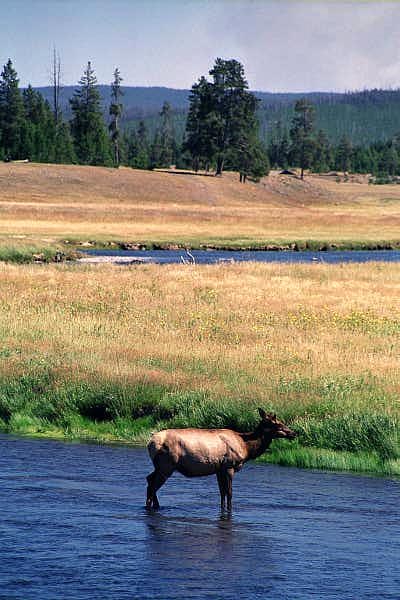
point(271, 416)
point(263, 414)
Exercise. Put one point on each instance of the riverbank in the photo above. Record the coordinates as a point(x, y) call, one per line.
point(363, 443)
point(111, 353)
point(129, 253)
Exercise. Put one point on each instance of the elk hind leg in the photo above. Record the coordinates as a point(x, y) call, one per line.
point(163, 469)
point(222, 487)
point(229, 478)
point(150, 490)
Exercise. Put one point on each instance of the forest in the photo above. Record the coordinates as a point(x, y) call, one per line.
point(218, 124)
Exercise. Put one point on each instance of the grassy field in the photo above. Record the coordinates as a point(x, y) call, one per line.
point(42, 206)
point(111, 353)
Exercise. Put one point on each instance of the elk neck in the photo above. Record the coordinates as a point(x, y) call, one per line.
point(256, 442)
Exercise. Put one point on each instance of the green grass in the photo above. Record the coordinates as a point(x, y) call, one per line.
point(23, 254)
point(330, 460)
point(37, 405)
point(242, 243)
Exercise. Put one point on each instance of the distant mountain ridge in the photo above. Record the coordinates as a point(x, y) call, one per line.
point(366, 116)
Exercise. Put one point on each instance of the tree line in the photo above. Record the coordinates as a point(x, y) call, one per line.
point(222, 130)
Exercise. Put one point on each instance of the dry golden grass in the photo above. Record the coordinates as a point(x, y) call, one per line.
point(48, 203)
point(244, 331)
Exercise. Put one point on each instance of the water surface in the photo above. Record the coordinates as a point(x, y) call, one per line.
point(73, 526)
point(216, 256)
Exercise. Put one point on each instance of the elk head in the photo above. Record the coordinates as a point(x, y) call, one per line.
point(273, 427)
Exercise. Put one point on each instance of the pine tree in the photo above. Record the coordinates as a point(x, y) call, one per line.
point(115, 113)
point(389, 161)
point(246, 154)
point(221, 117)
point(362, 160)
point(284, 151)
point(344, 154)
point(301, 133)
point(232, 105)
point(92, 145)
point(322, 153)
point(200, 140)
point(64, 144)
point(38, 131)
point(251, 160)
point(142, 160)
point(11, 113)
point(166, 137)
point(279, 147)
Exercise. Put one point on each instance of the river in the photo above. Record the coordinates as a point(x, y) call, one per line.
point(218, 256)
point(73, 527)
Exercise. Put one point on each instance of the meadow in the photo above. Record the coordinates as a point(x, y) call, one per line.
point(45, 208)
point(111, 353)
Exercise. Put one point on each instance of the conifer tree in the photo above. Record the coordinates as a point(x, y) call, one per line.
point(344, 155)
point(92, 145)
point(142, 160)
point(11, 113)
point(322, 153)
point(232, 104)
point(200, 140)
point(279, 147)
point(38, 129)
point(166, 137)
point(301, 133)
point(221, 117)
point(246, 153)
point(389, 161)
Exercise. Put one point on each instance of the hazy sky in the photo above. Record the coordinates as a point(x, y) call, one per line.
point(286, 45)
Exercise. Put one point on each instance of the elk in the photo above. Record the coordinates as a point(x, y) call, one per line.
point(200, 452)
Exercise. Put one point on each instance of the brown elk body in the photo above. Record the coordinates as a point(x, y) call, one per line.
point(200, 452)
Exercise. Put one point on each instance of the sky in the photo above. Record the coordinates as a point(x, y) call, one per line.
point(284, 45)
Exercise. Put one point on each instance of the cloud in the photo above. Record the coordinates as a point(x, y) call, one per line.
point(299, 45)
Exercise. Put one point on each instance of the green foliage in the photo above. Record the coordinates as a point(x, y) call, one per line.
point(279, 146)
point(225, 122)
point(163, 151)
point(26, 254)
point(11, 113)
point(222, 127)
point(92, 145)
point(200, 140)
point(302, 135)
point(343, 155)
point(322, 155)
point(136, 147)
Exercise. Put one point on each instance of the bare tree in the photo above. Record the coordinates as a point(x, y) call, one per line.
point(56, 85)
point(115, 113)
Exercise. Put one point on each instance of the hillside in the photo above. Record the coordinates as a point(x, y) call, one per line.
point(366, 117)
point(45, 204)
